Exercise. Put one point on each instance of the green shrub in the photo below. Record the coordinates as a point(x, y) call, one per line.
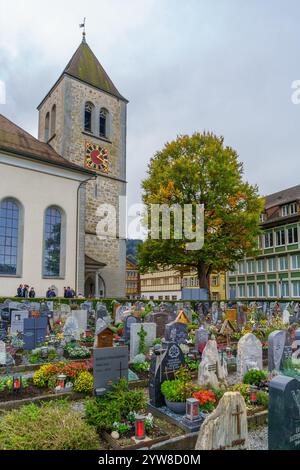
point(255, 377)
point(53, 426)
point(84, 383)
point(115, 406)
point(243, 389)
point(262, 398)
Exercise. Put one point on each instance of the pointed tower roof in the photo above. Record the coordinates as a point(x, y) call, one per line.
point(85, 66)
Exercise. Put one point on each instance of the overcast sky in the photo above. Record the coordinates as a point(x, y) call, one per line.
point(221, 65)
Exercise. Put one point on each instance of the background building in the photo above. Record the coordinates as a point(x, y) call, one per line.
point(133, 283)
point(168, 285)
point(275, 273)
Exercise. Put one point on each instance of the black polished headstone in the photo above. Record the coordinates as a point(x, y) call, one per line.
point(163, 364)
point(284, 413)
point(176, 332)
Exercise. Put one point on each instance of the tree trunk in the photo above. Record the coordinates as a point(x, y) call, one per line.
point(203, 277)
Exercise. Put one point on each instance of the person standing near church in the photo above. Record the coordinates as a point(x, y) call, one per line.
point(20, 291)
point(32, 293)
point(25, 291)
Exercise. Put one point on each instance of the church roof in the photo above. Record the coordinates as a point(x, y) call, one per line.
point(16, 140)
point(85, 66)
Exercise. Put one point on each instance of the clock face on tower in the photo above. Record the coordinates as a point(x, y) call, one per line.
point(96, 157)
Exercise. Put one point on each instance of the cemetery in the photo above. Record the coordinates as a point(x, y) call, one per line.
point(147, 375)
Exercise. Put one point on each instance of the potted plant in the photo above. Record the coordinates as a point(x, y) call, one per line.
point(178, 390)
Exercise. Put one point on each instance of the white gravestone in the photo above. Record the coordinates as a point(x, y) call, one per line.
point(211, 372)
point(2, 353)
point(249, 354)
point(226, 428)
point(71, 329)
point(135, 328)
point(81, 317)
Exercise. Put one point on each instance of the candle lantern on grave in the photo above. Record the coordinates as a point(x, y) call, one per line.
point(140, 431)
point(253, 394)
point(228, 352)
point(61, 380)
point(192, 409)
point(88, 333)
point(17, 383)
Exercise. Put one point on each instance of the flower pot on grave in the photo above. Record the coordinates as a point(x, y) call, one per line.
point(176, 407)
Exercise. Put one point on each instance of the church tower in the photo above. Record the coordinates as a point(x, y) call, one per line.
point(83, 117)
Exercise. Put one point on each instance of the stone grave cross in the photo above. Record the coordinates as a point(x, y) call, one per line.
point(238, 413)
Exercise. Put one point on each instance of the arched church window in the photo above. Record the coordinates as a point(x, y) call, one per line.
point(52, 242)
point(88, 116)
point(53, 120)
point(47, 127)
point(10, 213)
point(103, 123)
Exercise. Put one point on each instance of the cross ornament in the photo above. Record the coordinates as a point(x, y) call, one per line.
point(238, 413)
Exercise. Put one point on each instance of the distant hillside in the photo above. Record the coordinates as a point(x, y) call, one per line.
point(131, 248)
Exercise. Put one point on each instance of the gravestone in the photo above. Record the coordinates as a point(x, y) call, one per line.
point(242, 310)
point(2, 353)
point(164, 363)
point(17, 321)
point(215, 313)
point(278, 349)
point(110, 365)
point(286, 317)
point(161, 320)
point(226, 428)
point(81, 317)
point(211, 372)
point(176, 332)
point(249, 354)
point(121, 312)
point(35, 331)
point(3, 329)
point(150, 329)
point(130, 320)
point(65, 309)
point(201, 338)
point(101, 311)
point(284, 413)
point(296, 347)
point(71, 329)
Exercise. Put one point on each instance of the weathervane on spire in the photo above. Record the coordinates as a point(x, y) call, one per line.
point(82, 25)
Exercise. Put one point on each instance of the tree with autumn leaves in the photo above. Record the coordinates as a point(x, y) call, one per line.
point(198, 170)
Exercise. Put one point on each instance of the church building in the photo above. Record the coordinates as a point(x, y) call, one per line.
point(52, 187)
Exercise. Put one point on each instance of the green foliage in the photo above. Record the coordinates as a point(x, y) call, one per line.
point(157, 341)
point(179, 389)
point(255, 377)
point(140, 366)
point(243, 389)
point(6, 383)
point(52, 426)
point(115, 406)
point(192, 364)
point(142, 344)
point(84, 383)
point(75, 351)
point(262, 398)
point(196, 170)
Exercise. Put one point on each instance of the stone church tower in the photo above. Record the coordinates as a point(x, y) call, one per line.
point(83, 117)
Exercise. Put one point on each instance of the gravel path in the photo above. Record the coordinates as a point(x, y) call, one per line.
point(258, 438)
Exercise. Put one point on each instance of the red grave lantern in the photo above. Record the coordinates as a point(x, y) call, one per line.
point(140, 427)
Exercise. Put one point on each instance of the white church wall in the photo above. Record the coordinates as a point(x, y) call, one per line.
point(36, 191)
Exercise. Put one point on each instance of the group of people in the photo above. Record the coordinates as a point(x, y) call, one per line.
point(69, 293)
point(25, 292)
